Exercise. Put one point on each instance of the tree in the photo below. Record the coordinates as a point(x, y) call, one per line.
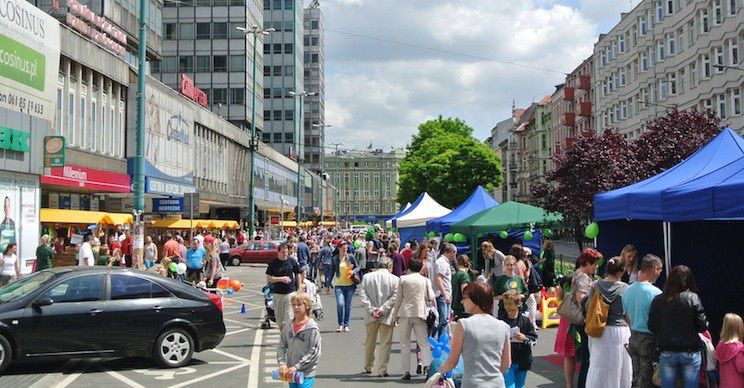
point(445, 160)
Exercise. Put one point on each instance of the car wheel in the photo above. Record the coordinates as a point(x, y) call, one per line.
point(235, 261)
point(6, 353)
point(174, 348)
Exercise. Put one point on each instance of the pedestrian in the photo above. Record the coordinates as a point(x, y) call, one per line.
point(523, 338)
point(408, 249)
point(581, 284)
point(116, 260)
point(126, 248)
point(224, 253)
point(195, 257)
point(213, 266)
point(547, 267)
point(676, 318)
point(345, 269)
point(399, 266)
point(730, 352)
point(361, 256)
point(414, 294)
point(609, 361)
point(284, 274)
point(629, 256)
point(493, 260)
point(325, 257)
point(85, 255)
point(373, 254)
point(481, 339)
point(508, 281)
point(151, 252)
point(300, 343)
point(44, 254)
point(637, 304)
point(303, 251)
point(9, 267)
point(460, 279)
point(527, 272)
point(103, 256)
point(377, 293)
point(443, 287)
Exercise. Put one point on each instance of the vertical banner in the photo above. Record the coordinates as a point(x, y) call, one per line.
point(20, 225)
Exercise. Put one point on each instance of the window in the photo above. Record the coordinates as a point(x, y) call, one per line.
point(670, 42)
point(277, 70)
point(203, 30)
point(288, 48)
point(267, 48)
point(719, 59)
point(267, 94)
point(603, 59)
point(203, 63)
point(288, 137)
point(732, 7)
point(672, 81)
point(288, 4)
point(704, 22)
point(85, 288)
point(237, 63)
point(60, 101)
point(721, 105)
point(171, 31)
point(705, 65)
point(219, 96)
point(621, 43)
point(277, 48)
point(670, 7)
point(735, 101)
point(277, 92)
point(170, 64)
point(266, 137)
point(642, 27)
point(186, 31)
point(267, 4)
point(219, 30)
point(219, 63)
point(267, 114)
point(314, 58)
point(267, 71)
point(125, 287)
point(288, 26)
point(277, 115)
point(237, 96)
point(277, 4)
point(659, 11)
point(717, 11)
point(733, 52)
point(306, 40)
point(288, 114)
point(660, 50)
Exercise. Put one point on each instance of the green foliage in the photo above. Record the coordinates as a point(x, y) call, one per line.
point(445, 160)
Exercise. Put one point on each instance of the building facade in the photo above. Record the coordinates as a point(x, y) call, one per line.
point(499, 142)
point(201, 41)
point(367, 183)
point(314, 123)
point(283, 73)
point(540, 143)
point(664, 54)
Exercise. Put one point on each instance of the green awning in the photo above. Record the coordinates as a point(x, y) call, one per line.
point(507, 216)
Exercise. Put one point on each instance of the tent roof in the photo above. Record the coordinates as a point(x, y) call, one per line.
point(508, 215)
point(389, 221)
point(424, 209)
point(478, 201)
point(643, 200)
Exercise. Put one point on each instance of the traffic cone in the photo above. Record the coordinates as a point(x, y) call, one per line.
point(242, 309)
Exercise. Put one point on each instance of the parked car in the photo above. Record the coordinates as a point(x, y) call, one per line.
point(254, 252)
point(106, 312)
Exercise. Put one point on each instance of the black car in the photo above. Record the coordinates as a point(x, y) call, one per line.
point(106, 312)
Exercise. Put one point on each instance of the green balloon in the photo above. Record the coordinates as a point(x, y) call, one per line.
point(173, 267)
point(504, 234)
point(547, 233)
point(528, 235)
point(431, 234)
point(592, 230)
point(357, 244)
point(449, 237)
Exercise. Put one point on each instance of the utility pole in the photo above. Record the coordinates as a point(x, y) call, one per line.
point(322, 166)
point(254, 30)
point(338, 188)
point(138, 244)
point(295, 95)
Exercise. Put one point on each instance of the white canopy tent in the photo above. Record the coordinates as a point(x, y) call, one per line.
point(427, 209)
point(389, 222)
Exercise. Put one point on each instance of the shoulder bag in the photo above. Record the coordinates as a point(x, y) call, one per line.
point(570, 309)
point(596, 314)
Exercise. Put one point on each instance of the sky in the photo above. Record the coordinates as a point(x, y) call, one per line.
point(379, 87)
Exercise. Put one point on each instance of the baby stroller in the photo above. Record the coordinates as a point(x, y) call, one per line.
point(269, 303)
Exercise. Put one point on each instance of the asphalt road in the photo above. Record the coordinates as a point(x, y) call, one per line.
point(248, 355)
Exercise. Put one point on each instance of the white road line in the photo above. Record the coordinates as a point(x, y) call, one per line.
point(209, 376)
point(239, 331)
point(223, 362)
point(52, 378)
point(68, 380)
point(124, 379)
point(230, 355)
point(255, 358)
point(234, 321)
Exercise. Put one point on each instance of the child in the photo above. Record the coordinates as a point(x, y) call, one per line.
point(730, 352)
point(299, 345)
point(103, 257)
point(116, 260)
point(311, 289)
point(523, 337)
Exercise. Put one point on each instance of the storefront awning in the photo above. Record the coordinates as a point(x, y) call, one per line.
point(118, 219)
point(66, 216)
point(197, 224)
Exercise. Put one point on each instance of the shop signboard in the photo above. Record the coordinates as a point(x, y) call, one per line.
point(87, 178)
point(96, 27)
point(54, 151)
point(274, 220)
point(167, 205)
point(20, 194)
point(29, 59)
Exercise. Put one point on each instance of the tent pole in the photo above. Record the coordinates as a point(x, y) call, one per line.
point(667, 258)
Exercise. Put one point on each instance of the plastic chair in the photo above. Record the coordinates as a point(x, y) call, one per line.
point(550, 307)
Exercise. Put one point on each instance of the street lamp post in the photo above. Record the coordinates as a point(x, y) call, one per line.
point(338, 174)
point(255, 31)
point(322, 168)
point(298, 143)
point(139, 158)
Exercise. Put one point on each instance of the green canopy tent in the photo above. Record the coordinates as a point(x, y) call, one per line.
point(507, 216)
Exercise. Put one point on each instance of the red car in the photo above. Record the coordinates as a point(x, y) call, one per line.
point(254, 252)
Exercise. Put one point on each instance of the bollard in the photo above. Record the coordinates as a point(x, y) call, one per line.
point(242, 309)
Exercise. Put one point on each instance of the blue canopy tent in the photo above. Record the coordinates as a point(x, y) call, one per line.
point(700, 201)
point(478, 201)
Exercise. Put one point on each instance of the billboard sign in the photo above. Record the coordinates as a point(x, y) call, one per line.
point(167, 205)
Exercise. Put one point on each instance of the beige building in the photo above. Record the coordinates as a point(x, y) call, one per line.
point(367, 182)
point(664, 54)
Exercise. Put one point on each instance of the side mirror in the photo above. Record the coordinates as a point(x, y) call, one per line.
point(42, 302)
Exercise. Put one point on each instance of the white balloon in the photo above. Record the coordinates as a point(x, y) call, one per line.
point(181, 268)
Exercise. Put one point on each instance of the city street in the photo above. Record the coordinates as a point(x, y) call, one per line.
point(247, 356)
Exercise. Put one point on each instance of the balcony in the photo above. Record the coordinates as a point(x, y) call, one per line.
point(585, 82)
point(570, 142)
point(569, 119)
point(568, 93)
point(585, 109)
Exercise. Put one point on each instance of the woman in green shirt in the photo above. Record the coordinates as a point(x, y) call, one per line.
point(460, 279)
point(508, 281)
point(44, 254)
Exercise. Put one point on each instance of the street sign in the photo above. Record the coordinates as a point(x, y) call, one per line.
point(191, 203)
point(167, 205)
point(54, 151)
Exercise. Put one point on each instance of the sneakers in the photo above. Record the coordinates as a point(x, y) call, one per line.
point(418, 369)
point(340, 329)
point(346, 329)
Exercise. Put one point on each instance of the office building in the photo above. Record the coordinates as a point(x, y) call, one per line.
point(314, 77)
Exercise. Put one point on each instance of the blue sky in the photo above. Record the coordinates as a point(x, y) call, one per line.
point(378, 92)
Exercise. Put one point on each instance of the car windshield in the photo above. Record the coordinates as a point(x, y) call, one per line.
point(22, 287)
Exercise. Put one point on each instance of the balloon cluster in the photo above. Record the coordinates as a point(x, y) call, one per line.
point(456, 237)
point(230, 286)
point(179, 268)
point(438, 346)
point(431, 234)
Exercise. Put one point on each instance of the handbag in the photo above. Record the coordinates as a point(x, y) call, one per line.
point(571, 311)
point(596, 314)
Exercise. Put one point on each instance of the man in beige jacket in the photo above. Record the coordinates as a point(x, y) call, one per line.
point(377, 292)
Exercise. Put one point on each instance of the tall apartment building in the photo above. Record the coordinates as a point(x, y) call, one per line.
point(367, 182)
point(499, 143)
point(540, 142)
point(283, 73)
point(201, 43)
point(314, 75)
point(664, 53)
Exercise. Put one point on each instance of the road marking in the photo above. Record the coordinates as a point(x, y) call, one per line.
point(68, 380)
point(230, 355)
point(240, 331)
point(209, 376)
point(223, 362)
point(255, 358)
point(124, 379)
point(166, 374)
point(234, 321)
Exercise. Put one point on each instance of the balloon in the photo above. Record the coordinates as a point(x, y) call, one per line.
point(528, 235)
point(592, 230)
point(449, 237)
point(431, 234)
point(504, 234)
point(181, 268)
point(459, 237)
point(223, 284)
point(230, 291)
point(357, 244)
point(173, 267)
point(235, 284)
point(547, 233)
point(439, 346)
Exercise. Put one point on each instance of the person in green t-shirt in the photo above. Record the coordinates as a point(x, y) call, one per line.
point(508, 281)
point(460, 279)
point(44, 254)
point(103, 256)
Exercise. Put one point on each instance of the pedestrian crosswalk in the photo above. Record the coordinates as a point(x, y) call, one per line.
point(268, 354)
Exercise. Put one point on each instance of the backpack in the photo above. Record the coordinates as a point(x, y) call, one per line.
point(596, 314)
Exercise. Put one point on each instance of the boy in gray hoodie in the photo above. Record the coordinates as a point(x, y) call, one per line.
point(299, 345)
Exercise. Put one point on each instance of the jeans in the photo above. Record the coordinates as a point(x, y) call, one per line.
point(444, 313)
point(642, 355)
point(327, 275)
point(344, 295)
point(672, 364)
point(515, 378)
